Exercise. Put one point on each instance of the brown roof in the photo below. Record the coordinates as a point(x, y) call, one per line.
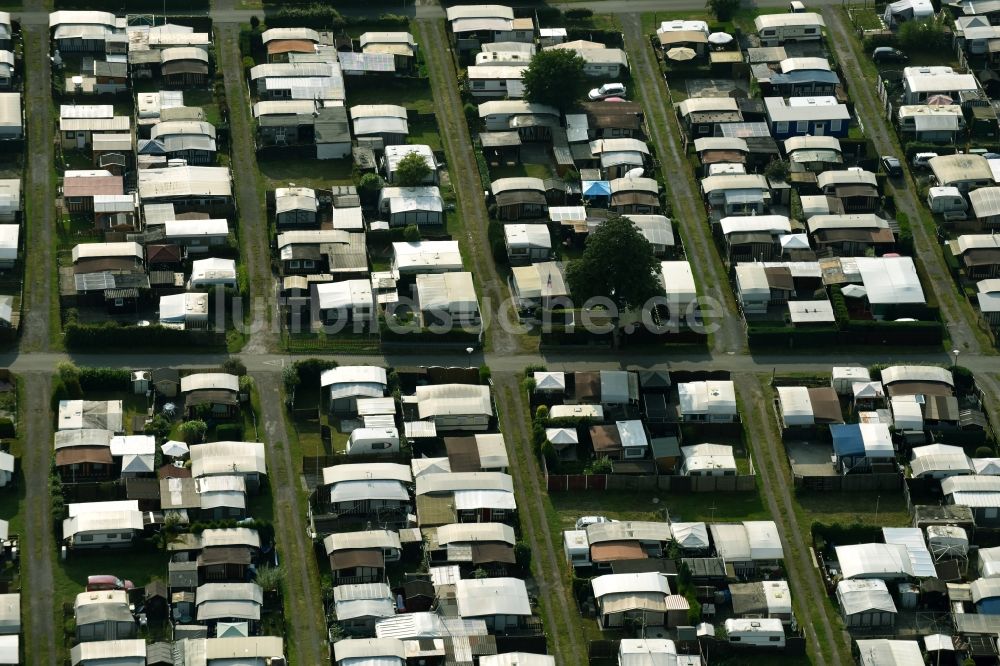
point(588, 386)
point(723, 156)
point(137, 488)
point(981, 257)
point(941, 407)
point(605, 438)
point(610, 551)
point(463, 454)
point(84, 454)
point(485, 553)
point(641, 198)
point(357, 557)
point(683, 37)
point(780, 277)
point(855, 191)
point(163, 254)
point(290, 46)
point(224, 555)
point(88, 186)
point(825, 405)
point(918, 388)
point(210, 396)
point(99, 264)
point(520, 197)
point(173, 472)
point(184, 67)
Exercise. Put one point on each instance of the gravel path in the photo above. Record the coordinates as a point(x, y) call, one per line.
point(464, 174)
point(37, 545)
point(566, 641)
point(303, 605)
point(688, 211)
point(39, 193)
point(814, 615)
point(955, 310)
point(253, 229)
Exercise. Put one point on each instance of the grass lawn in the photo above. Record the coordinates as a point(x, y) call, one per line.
point(623, 505)
point(412, 93)
point(425, 132)
point(206, 100)
point(532, 170)
point(318, 174)
point(866, 18)
point(854, 507)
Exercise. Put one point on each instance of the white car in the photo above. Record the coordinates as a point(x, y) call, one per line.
point(607, 90)
point(582, 523)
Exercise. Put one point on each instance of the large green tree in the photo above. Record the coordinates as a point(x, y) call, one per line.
point(723, 9)
point(555, 77)
point(617, 263)
point(412, 170)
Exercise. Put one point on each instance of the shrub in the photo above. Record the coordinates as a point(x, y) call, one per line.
point(234, 366)
point(984, 452)
point(542, 413)
point(310, 369)
point(578, 13)
point(411, 233)
point(193, 432)
point(158, 427)
point(485, 374)
point(105, 379)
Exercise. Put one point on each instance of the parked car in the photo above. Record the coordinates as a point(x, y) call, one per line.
point(108, 582)
point(920, 160)
point(607, 90)
point(583, 522)
point(888, 54)
point(892, 166)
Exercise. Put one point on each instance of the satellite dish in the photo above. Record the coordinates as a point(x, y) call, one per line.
point(634, 173)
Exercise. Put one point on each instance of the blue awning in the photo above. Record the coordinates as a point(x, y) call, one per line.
point(847, 440)
point(596, 188)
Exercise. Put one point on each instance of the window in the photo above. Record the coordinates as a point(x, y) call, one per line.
point(119, 302)
point(86, 537)
point(74, 200)
point(774, 639)
point(308, 263)
point(802, 126)
point(704, 129)
point(579, 557)
point(377, 446)
point(781, 128)
point(809, 31)
point(70, 135)
point(295, 263)
point(734, 639)
point(479, 85)
point(112, 536)
point(835, 125)
point(768, 33)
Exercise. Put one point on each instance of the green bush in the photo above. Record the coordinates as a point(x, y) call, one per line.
point(485, 374)
point(578, 13)
point(310, 369)
point(411, 233)
point(105, 379)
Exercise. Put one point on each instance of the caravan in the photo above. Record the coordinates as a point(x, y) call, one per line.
point(373, 441)
point(763, 632)
point(778, 29)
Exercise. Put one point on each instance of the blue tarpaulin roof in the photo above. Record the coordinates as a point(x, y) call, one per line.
point(847, 439)
point(596, 188)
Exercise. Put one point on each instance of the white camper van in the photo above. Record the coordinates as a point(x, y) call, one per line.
point(763, 632)
point(373, 440)
point(778, 29)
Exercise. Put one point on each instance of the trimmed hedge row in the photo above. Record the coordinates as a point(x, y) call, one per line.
point(113, 335)
point(903, 333)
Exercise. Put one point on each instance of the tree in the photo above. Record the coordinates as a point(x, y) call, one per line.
point(926, 35)
point(412, 170)
point(193, 432)
point(617, 263)
point(368, 187)
point(234, 366)
point(777, 170)
point(411, 233)
point(269, 578)
point(722, 9)
point(555, 78)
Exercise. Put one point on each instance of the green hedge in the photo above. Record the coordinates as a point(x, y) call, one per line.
point(6, 427)
point(133, 6)
point(229, 432)
point(111, 335)
point(858, 332)
point(105, 379)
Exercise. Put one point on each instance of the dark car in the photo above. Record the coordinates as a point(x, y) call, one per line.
point(888, 54)
point(892, 166)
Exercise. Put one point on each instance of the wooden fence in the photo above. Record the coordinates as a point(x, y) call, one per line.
point(850, 482)
point(678, 484)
